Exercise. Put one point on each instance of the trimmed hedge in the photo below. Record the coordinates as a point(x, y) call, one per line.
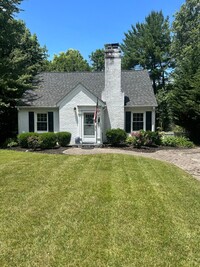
point(63, 138)
point(47, 140)
point(43, 140)
point(23, 138)
point(116, 136)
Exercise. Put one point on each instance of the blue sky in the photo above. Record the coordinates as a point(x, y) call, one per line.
point(87, 25)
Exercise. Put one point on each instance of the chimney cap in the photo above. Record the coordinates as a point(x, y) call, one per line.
point(112, 46)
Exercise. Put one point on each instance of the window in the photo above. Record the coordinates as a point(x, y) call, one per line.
point(138, 121)
point(42, 122)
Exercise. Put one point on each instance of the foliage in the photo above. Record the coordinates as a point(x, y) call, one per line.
point(21, 57)
point(177, 141)
point(97, 58)
point(127, 211)
point(145, 138)
point(43, 140)
point(47, 140)
point(185, 98)
point(147, 45)
point(63, 138)
point(10, 142)
point(130, 140)
point(23, 138)
point(163, 111)
point(116, 136)
point(69, 61)
point(34, 142)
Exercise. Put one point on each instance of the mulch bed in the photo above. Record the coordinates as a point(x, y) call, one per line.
point(59, 150)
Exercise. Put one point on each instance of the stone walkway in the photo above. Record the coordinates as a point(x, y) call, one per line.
point(186, 159)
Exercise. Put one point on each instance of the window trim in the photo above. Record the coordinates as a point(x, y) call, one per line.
point(144, 120)
point(36, 122)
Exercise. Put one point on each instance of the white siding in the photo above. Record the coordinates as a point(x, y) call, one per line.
point(23, 118)
point(71, 111)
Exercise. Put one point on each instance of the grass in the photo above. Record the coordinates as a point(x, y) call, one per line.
point(99, 210)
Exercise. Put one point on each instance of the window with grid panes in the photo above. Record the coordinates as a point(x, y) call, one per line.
point(42, 122)
point(138, 121)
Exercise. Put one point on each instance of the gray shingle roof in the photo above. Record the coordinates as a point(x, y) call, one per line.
point(51, 87)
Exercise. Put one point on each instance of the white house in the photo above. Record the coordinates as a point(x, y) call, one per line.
point(86, 104)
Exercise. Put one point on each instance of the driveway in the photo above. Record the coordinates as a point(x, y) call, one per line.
point(186, 159)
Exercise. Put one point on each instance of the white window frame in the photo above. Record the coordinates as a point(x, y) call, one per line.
point(36, 122)
point(144, 120)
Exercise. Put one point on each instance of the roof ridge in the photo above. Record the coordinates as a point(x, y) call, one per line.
point(71, 72)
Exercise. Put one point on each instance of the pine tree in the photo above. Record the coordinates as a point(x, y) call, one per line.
point(186, 52)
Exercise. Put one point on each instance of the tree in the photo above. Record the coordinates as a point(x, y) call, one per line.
point(69, 61)
point(147, 46)
point(186, 53)
point(21, 57)
point(97, 58)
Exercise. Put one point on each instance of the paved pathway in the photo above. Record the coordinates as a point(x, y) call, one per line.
point(187, 159)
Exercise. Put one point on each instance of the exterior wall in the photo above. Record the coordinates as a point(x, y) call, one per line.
point(23, 124)
point(112, 94)
point(23, 118)
point(71, 113)
point(143, 110)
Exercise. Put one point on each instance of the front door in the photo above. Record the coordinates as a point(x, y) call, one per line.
point(89, 131)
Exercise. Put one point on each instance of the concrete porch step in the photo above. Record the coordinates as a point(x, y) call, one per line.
point(88, 145)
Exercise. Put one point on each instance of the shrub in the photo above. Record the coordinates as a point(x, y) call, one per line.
point(10, 142)
point(47, 140)
point(116, 136)
point(175, 141)
point(138, 139)
point(23, 139)
point(152, 138)
point(145, 138)
point(34, 142)
point(130, 140)
point(63, 138)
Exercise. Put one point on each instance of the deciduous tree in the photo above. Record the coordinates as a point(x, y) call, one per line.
point(69, 61)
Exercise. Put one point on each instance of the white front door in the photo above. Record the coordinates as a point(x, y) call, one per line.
point(89, 131)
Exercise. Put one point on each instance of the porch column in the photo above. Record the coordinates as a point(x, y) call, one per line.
point(153, 120)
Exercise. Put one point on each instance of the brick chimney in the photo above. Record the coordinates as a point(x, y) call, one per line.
point(112, 93)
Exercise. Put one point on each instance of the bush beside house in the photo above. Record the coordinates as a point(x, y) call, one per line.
point(144, 138)
point(116, 136)
point(43, 140)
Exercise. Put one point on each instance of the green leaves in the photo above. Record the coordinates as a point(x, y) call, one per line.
point(147, 45)
point(69, 61)
point(186, 51)
point(21, 57)
point(97, 58)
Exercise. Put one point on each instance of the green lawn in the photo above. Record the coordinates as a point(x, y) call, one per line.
point(98, 210)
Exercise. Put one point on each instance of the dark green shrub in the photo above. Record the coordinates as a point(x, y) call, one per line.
point(175, 141)
point(116, 136)
point(34, 142)
point(47, 140)
point(23, 139)
point(63, 138)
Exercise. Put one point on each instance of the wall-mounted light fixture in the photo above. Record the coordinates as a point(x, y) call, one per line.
point(74, 108)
